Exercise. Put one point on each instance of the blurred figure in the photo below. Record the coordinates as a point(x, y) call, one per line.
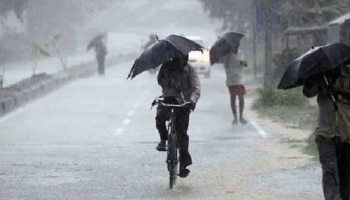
point(101, 52)
point(234, 81)
point(151, 40)
point(2, 78)
point(178, 79)
point(1, 81)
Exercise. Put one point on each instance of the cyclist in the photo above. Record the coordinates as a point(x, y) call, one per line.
point(177, 78)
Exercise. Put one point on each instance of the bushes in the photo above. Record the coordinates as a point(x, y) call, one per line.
point(271, 96)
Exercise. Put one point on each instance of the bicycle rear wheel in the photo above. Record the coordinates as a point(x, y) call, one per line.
point(172, 159)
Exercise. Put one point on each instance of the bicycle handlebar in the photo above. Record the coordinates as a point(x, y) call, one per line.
point(157, 101)
point(174, 105)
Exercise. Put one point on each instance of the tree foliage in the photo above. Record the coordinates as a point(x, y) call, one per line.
point(50, 17)
point(289, 12)
point(311, 12)
point(42, 19)
point(233, 13)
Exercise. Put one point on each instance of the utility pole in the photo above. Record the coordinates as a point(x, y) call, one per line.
point(267, 8)
point(253, 6)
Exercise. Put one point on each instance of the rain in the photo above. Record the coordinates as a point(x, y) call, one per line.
point(174, 99)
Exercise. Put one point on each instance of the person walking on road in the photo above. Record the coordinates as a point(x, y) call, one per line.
point(179, 79)
point(234, 81)
point(101, 52)
point(332, 132)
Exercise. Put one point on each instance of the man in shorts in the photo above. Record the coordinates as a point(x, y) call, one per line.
point(234, 81)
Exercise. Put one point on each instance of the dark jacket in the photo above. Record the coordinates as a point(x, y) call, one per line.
point(175, 82)
point(326, 119)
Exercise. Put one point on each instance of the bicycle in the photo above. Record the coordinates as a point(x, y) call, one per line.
point(172, 158)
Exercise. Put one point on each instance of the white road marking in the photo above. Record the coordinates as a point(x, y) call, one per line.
point(119, 131)
point(126, 121)
point(136, 105)
point(131, 113)
point(259, 129)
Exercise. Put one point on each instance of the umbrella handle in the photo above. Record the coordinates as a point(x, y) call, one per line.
point(331, 93)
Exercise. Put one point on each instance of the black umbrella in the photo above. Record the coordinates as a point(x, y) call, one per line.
point(316, 61)
point(224, 45)
point(97, 39)
point(163, 50)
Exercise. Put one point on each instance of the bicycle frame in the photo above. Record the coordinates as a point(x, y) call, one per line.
point(172, 158)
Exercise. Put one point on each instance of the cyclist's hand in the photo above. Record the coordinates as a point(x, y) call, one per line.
point(192, 105)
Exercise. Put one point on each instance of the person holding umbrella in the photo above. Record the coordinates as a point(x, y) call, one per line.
point(101, 51)
point(225, 50)
point(333, 150)
point(323, 72)
point(177, 79)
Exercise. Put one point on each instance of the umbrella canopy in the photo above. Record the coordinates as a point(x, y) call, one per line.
point(162, 51)
point(318, 60)
point(224, 45)
point(95, 41)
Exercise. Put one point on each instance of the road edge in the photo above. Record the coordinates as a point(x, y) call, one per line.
point(56, 81)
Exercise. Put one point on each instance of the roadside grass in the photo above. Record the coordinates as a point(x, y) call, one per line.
point(290, 108)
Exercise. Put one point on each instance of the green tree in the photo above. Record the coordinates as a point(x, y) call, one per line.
point(286, 12)
point(50, 17)
point(312, 12)
point(233, 13)
point(290, 12)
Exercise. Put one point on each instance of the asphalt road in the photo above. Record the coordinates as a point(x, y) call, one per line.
point(96, 139)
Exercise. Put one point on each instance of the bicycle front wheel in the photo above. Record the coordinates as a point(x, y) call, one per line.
point(172, 159)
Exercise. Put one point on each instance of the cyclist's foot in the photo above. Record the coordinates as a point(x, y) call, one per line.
point(184, 173)
point(161, 146)
point(243, 121)
point(235, 122)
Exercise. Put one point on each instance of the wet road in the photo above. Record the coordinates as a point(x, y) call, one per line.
point(96, 138)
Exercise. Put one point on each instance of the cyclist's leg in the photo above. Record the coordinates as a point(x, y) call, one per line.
point(182, 122)
point(161, 118)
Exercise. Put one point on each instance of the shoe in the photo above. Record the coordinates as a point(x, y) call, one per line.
point(243, 121)
point(184, 173)
point(234, 122)
point(161, 146)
